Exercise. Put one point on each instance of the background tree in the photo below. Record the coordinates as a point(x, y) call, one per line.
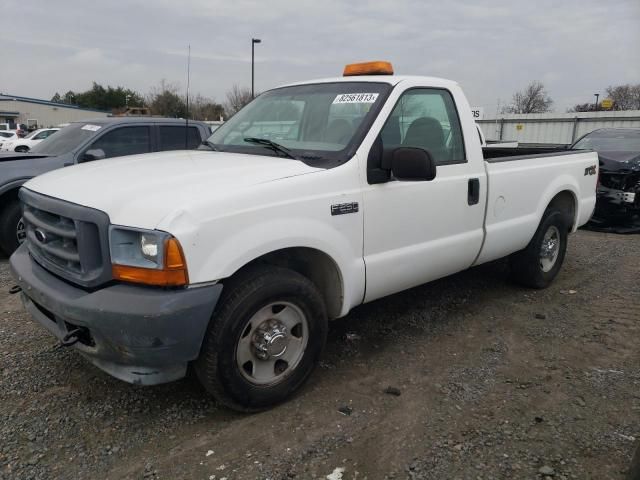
point(533, 99)
point(108, 98)
point(203, 108)
point(69, 98)
point(237, 98)
point(101, 98)
point(583, 107)
point(625, 97)
point(164, 100)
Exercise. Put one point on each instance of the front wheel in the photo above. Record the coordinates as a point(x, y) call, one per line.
point(537, 265)
point(264, 339)
point(22, 149)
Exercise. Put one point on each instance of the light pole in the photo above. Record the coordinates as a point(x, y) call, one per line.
point(596, 95)
point(253, 43)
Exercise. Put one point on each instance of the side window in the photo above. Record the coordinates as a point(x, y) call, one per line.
point(123, 141)
point(173, 138)
point(43, 135)
point(426, 118)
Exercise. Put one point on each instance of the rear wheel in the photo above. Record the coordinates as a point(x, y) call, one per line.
point(264, 339)
point(537, 265)
point(12, 230)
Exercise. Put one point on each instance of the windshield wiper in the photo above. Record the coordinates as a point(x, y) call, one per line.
point(209, 144)
point(276, 147)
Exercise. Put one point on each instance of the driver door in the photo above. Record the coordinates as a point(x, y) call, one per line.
point(417, 231)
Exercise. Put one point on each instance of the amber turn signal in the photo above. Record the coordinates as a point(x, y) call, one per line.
point(173, 274)
point(368, 68)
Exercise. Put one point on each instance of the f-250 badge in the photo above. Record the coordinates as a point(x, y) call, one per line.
point(590, 170)
point(344, 208)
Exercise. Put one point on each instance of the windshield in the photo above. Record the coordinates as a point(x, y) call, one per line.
point(67, 139)
point(312, 122)
point(610, 141)
point(31, 134)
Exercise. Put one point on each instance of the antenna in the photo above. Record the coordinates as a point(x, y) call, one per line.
point(186, 127)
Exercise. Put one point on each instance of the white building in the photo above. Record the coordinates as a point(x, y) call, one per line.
point(42, 113)
point(554, 128)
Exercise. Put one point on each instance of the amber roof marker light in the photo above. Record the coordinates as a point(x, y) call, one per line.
point(368, 68)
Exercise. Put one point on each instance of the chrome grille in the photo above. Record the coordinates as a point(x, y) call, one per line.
point(54, 237)
point(67, 239)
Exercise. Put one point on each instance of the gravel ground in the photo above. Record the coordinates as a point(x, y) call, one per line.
point(469, 377)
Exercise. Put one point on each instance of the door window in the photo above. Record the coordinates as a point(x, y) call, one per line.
point(124, 141)
point(43, 135)
point(426, 118)
point(173, 138)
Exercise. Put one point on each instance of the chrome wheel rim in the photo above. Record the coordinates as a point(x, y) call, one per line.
point(272, 343)
point(21, 231)
point(550, 248)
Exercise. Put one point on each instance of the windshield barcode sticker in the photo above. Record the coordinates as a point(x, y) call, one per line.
point(93, 128)
point(356, 98)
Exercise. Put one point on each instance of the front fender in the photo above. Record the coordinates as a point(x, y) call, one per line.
point(265, 237)
point(218, 250)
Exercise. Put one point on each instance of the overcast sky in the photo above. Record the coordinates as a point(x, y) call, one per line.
point(575, 47)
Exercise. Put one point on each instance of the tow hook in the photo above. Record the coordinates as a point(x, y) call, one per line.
point(71, 338)
point(15, 289)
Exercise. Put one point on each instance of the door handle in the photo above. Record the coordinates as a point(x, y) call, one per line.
point(473, 194)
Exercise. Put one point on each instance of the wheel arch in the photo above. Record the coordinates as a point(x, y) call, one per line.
point(10, 191)
point(314, 264)
point(566, 201)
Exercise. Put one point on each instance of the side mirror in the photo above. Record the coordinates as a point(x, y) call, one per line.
point(94, 154)
point(413, 164)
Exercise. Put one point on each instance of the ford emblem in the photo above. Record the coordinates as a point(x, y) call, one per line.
point(41, 236)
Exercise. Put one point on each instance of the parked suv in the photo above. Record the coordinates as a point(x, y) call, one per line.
point(81, 142)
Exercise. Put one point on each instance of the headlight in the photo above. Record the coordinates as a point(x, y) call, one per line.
point(147, 256)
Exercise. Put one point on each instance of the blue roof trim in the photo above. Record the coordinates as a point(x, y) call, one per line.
point(7, 97)
point(11, 114)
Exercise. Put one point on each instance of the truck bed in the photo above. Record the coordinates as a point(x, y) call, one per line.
point(506, 154)
point(521, 185)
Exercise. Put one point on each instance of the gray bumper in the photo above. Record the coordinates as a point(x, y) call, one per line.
point(137, 334)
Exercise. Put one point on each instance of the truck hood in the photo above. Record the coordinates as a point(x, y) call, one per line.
point(621, 162)
point(141, 190)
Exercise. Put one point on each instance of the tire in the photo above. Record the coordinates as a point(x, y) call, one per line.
point(534, 266)
point(634, 470)
point(10, 221)
point(256, 305)
point(22, 149)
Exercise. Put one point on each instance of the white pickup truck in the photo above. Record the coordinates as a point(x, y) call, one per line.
point(315, 198)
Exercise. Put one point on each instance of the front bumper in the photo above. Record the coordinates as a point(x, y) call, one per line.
point(138, 334)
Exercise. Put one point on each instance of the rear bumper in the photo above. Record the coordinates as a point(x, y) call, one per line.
point(614, 204)
point(137, 334)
